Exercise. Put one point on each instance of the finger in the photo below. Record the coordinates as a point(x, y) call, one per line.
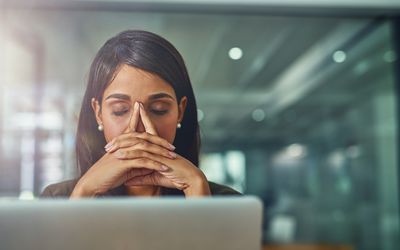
point(155, 139)
point(134, 119)
point(148, 125)
point(143, 163)
point(130, 139)
point(139, 144)
point(123, 141)
point(173, 178)
point(146, 150)
point(154, 180)
point(138, 172)
point(182, 187)
point(147, 180)
point(132, 125)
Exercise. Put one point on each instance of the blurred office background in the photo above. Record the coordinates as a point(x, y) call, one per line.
point(298, 104)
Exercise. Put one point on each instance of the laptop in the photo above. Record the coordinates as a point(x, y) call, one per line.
point(132, 223)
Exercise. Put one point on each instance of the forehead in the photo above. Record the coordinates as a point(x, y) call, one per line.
point(138, 84)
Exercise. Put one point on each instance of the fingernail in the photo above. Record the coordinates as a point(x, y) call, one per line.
point(164, 168)
point(108, 145)
point(136, 105)
point(141, 105)
point(172, 154)
point(172, 147)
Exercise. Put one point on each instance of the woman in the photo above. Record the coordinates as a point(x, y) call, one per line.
point(138, 133)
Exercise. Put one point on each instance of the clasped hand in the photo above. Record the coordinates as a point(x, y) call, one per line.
point(139, 159)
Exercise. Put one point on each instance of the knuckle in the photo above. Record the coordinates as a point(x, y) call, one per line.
point(136, 140)
point(145, 154)
point(140, 153)
point(121, 154)
point(143, 161)
point(125, 153)
point(144, 144)
point(139, 135)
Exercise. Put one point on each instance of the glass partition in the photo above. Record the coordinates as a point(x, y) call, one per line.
point(298, 110)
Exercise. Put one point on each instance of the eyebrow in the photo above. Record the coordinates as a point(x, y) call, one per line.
point(160, 95)
point(119, 96)
point(151, 97)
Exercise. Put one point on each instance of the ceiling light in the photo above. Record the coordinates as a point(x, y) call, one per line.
point(339, 56)
point(258, 115)
point(296, 150)
point(235, 53)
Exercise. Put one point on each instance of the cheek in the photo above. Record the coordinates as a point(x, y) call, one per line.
point(166, 127)
point(114, 126)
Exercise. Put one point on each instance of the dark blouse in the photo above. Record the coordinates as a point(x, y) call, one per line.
point(65, 188)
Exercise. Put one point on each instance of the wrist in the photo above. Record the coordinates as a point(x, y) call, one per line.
point(198, 187)
point(81, 191)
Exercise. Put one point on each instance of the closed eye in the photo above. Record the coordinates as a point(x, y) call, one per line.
point(159, 112)
point(120, 113)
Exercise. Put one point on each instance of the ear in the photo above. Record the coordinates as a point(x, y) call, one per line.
point(97, 110)
point(182, 108)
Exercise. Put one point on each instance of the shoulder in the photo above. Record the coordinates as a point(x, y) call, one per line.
point(60, 190)
point(218, 189)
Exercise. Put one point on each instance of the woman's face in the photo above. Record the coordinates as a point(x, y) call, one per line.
point(132, 85)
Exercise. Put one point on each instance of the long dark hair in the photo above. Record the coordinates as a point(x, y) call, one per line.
point(149, 52)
